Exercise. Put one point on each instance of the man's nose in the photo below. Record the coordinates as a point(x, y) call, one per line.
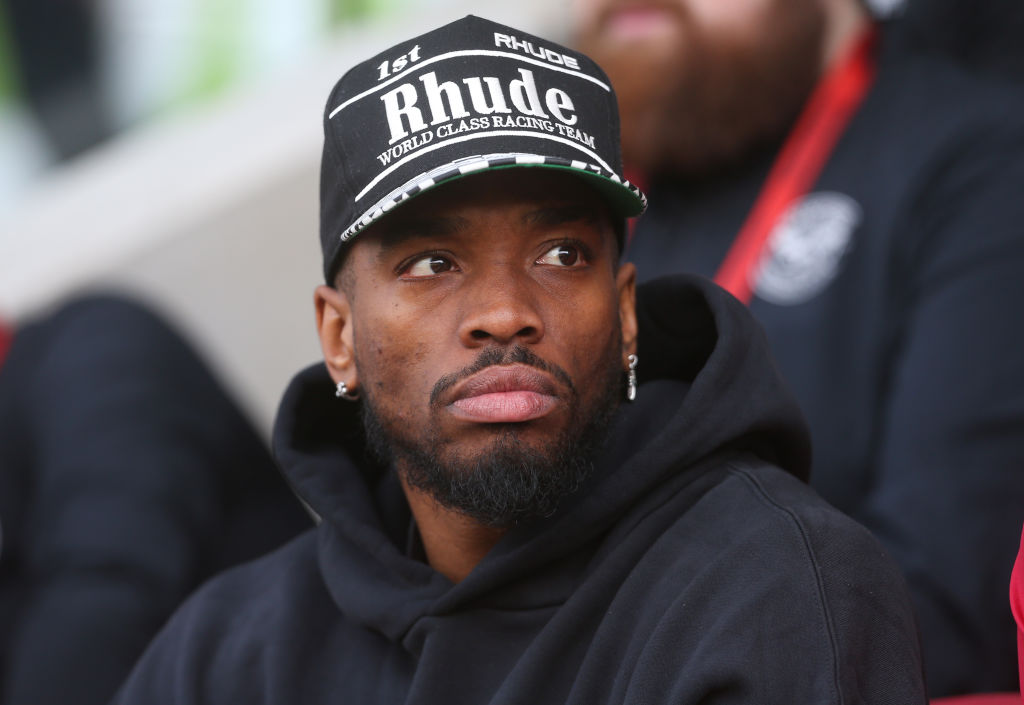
point(500, 308)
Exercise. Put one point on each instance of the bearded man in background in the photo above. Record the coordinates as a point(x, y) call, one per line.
point(864, 201)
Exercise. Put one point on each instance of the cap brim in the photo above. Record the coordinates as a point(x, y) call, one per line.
point(624, 198)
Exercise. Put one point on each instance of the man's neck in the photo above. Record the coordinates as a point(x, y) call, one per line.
point(453, 542)
point(847, 19)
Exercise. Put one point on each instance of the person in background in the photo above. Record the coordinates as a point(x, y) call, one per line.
point(127, 476)
point(57, 65)
point(866, 203)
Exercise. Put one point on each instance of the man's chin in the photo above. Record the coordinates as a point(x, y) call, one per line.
point(502, 482)
point(478, 439)
point(528, 441)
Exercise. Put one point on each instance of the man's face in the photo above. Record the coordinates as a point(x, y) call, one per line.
point(702, 81)
point(489, 325)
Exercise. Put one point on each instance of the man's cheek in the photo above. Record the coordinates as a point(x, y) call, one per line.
point(605, 350)
point(375, 364)
point(395, 372)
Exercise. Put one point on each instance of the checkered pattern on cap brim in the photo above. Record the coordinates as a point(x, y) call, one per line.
point(475, 164)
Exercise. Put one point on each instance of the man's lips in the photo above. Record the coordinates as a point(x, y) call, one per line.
point(504, 394)
point(639, 22)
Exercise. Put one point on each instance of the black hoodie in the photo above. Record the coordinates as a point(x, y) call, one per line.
point(691, 568)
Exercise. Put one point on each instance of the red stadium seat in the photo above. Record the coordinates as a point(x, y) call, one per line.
point(981, 699)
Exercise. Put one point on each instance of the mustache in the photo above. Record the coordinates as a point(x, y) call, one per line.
point(517, 354)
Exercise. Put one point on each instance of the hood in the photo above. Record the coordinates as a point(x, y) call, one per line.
point(707, 386)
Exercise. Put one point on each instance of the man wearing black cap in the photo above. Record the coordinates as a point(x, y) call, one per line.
point(514, 509)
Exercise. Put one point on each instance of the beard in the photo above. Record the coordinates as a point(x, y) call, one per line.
point(700, 104)
point(510, 481)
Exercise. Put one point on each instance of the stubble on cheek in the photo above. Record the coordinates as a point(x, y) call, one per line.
point(597, 352)
point(395, 377)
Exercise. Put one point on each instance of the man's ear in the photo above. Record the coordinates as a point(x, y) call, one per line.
point(334, 324)
point(625, 280)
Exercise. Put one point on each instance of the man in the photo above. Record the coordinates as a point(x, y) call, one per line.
point(497, 528)
point(866, 202)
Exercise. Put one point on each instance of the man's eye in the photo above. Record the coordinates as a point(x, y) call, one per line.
point(561, 256)
point(428, 266)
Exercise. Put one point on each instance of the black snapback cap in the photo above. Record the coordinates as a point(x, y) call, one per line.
point(469, 96)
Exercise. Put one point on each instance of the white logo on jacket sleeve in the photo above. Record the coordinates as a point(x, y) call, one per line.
point(804, 252)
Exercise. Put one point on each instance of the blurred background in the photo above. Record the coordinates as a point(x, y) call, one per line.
point(171, 148)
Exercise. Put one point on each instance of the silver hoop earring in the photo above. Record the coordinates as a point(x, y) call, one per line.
point(631, 378)
point(342, 393)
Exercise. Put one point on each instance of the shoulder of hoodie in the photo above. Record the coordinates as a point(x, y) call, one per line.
point(236, 628)
point(935, 158)
point(742, 516)
point(750, 505)
point(267, 588)
point(760, 553)
point(932, 101)
point(749, 582)
point(784, 509)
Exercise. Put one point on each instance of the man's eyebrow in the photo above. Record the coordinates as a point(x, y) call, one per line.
point(552, 216)
point(402, 230)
